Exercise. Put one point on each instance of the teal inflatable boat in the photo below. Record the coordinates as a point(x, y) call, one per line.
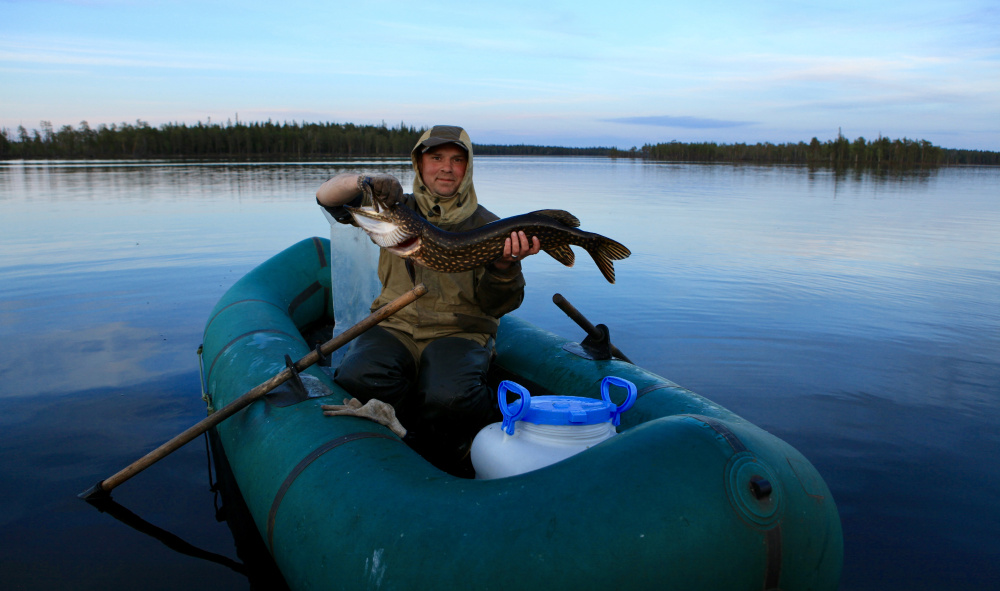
point(687, 495)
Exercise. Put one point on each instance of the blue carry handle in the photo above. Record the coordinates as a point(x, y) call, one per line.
point(518, 409)
point(616, 413)
point(510, 417)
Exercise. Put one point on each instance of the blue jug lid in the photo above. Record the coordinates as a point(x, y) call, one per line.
point(563, 410)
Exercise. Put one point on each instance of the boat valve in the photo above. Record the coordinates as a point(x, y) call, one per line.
point(760, 487)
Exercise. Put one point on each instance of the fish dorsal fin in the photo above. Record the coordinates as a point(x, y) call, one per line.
point(562, 253)
point(563, 217)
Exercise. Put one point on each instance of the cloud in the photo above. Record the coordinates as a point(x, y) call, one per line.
point(682, 122)
point(89, 52)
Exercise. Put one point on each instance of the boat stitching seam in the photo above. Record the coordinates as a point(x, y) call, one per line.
point(302, 465)
point(235, 303)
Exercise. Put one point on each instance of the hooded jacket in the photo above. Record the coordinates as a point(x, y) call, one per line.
point(467, 304)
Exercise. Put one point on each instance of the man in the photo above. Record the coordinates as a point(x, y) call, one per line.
point(429, 360)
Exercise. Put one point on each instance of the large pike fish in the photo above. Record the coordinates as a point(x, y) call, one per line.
point(400, 230)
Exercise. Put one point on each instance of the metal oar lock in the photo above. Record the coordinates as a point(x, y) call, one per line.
point(597, 344)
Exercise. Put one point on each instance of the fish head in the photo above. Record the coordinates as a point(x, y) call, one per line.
point(391, 226)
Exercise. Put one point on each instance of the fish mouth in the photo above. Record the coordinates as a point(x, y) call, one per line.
point(406, 248)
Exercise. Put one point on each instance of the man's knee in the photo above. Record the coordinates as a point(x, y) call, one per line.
point(453, 380)
point(378, 367)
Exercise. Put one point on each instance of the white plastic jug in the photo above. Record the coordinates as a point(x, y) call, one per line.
point(542, 430)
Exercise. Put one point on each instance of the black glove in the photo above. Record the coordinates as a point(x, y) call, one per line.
point(385, 187)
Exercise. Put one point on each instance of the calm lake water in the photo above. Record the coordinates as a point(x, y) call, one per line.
point(856, 316)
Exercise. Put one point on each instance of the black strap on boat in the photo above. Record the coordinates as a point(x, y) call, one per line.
point(302, 465)
point(310, 290)
point(324, 264)
point(723, 430)
point(320, 254)
point(653, 388)
point(773, 574)
point(324, 360)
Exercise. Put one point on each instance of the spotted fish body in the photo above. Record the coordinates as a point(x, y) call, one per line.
point(403, 232)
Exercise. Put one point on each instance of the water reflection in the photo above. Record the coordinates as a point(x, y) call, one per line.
point(172, 541)
point(170, 180)
point(856, 316)
point(54, 446)
point(255, 563)
point(877, 175)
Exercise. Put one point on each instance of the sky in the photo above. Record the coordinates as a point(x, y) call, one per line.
point(578, 73)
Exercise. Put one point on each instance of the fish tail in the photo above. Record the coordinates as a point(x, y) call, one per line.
point(604, 251)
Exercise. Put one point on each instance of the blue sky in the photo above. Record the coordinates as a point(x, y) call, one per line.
point(556, 73)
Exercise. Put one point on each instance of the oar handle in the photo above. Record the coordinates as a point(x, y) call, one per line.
point(105, 486)
point(585, 324)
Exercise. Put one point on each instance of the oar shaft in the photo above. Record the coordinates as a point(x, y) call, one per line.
point(585, 324)
point(195, 430)
point(106, 485)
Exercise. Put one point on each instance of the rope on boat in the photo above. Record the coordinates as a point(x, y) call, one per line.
point(201, 381)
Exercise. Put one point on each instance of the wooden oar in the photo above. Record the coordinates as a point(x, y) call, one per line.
point(104, 487)
point(585, 324)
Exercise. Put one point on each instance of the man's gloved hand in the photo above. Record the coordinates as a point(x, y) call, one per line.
point(373, 410)
point(384, 187)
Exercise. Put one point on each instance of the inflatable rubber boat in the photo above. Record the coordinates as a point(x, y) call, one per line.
point(687, 495)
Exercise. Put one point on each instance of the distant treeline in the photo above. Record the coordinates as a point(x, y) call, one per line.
point(838, 152)
point(524, 150)
point(212, 140)
point(284, 141)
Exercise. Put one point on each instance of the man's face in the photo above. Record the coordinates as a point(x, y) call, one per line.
point(442, 168)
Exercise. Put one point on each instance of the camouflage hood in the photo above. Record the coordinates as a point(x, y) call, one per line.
point(444, 211)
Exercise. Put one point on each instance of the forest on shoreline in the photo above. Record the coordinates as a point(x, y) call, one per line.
point(315, 141)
